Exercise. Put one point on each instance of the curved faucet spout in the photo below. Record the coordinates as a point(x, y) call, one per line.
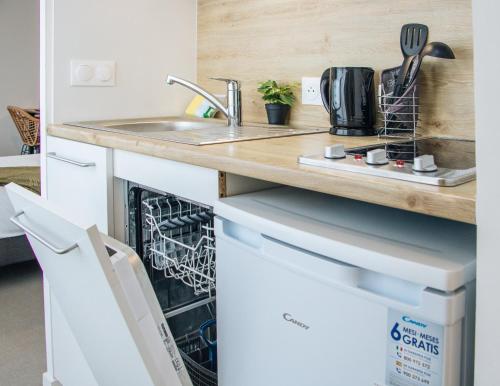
point(232, 111)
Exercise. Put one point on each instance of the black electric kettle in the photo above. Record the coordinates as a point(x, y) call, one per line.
point(348, 95)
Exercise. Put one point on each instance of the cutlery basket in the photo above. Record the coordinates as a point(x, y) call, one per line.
point(194, 353)
point(399, 114)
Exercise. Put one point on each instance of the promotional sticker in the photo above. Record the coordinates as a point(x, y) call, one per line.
point(414, 351)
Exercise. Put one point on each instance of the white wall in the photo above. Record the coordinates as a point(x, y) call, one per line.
point(148, 39)
point(19, 65)
point(487, 85)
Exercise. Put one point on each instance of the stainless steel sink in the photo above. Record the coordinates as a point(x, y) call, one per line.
point(161, 126)
point(195, 132)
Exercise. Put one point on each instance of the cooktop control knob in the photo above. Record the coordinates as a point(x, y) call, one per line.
point(424, 163)
point(377, 157)
point(335, 151)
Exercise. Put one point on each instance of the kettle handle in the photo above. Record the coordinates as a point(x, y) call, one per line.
point(324, 89)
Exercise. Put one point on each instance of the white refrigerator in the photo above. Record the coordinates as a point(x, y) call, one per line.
point(324, 291)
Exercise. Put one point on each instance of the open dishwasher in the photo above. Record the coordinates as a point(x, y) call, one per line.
point(147, 320)
point(174, 237)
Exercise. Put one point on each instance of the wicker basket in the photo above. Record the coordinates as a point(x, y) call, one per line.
point(27, 125)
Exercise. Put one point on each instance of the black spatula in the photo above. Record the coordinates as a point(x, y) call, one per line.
point(413, 40)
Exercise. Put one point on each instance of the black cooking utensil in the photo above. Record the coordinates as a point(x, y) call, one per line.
point(434, 49)
point(413, 40)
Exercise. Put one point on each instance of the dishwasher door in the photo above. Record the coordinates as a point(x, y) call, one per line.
point(290, 317)
point(105, 296)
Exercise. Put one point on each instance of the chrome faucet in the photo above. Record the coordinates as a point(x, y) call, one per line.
point(233, 109)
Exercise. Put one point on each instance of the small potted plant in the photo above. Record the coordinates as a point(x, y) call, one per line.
point(279, 99)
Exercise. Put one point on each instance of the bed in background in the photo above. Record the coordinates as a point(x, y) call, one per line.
point(25, 171)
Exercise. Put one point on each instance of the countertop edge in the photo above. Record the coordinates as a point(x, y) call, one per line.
point(444, 202)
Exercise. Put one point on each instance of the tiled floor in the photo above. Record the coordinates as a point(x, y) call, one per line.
point(22, 345)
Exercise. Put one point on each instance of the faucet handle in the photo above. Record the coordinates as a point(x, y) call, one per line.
point(228, 81)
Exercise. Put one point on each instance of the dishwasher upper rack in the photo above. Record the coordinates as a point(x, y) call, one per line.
point(182, 241)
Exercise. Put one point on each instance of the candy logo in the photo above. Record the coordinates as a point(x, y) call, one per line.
point(407, 319)
point(290, 319)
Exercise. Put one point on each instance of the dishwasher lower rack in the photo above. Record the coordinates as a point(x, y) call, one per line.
point(181, 241)
point(186, 326)
point(194, 353)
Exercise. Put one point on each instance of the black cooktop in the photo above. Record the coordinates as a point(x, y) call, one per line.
point(448, 153)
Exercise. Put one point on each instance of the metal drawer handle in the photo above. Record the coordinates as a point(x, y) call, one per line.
point(52, 247)
point(70, 161)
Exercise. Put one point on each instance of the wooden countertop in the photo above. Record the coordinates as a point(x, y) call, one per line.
point(275, 160)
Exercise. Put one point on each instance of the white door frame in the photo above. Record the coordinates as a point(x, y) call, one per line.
point(46, 117)
point(46, 79)
point(486, 39)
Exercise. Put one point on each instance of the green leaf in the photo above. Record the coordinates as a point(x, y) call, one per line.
point(272, 92)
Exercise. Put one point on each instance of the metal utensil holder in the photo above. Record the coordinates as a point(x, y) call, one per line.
point(400, 115)
point(182, 241)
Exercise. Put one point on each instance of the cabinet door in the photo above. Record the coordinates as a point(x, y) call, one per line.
point(79, 181)
point(108, 305)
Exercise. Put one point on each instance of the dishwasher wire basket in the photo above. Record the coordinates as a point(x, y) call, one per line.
point(194, 353)
point(182, 242)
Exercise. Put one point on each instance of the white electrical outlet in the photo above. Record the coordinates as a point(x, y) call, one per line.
point(95, 73)
point(311, 91)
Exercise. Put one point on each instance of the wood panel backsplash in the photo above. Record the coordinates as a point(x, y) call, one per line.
point(256, 40)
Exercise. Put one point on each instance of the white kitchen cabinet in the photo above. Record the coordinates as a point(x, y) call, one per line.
point(188, 181)
point(79, 184)
point(79, 181)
